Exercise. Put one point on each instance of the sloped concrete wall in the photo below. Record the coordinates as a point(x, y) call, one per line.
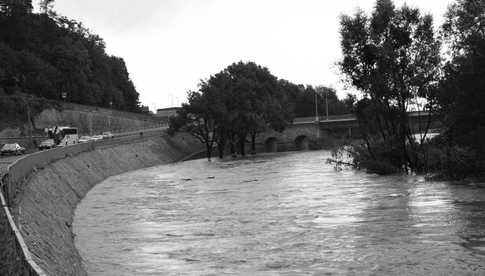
point(43, 205)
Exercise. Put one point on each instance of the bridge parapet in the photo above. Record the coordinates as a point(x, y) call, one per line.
point(335, 127)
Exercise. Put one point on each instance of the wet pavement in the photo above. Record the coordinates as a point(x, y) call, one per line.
point(285, 214)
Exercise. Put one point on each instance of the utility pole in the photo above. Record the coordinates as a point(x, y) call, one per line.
point(111, 114)
point(317, 119)
point(326, 103)
point(29, 119)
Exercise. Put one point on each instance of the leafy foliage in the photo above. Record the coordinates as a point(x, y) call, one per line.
point(242, 100)
point(46, 55)
point(393, 57)
point(461, 95)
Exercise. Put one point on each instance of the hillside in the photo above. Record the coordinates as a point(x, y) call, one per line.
point(54, 57)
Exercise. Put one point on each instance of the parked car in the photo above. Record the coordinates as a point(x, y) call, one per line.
point(85, 139)
point(12, 149)
point(47, 144)
point(97, 137)
point(108, 135)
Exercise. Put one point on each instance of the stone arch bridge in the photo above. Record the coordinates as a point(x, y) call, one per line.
point(306, 133)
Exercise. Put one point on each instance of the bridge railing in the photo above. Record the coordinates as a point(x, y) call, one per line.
point(323, 118)
point(15, 257)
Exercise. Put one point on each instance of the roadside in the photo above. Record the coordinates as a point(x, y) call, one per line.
point(6, 161)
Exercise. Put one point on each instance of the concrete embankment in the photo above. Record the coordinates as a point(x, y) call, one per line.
point(42, 205)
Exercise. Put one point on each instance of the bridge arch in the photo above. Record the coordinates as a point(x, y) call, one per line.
point(302, 142)
point(271, 144)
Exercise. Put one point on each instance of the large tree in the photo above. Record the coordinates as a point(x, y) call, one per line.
point(392, 57)
point(239, 102)
point(462, 93)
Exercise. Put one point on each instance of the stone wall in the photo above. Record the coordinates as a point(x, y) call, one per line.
point(45, 188)
point(90, 120)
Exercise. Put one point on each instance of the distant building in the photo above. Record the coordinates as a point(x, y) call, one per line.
point(167, 112)
point(145, 109)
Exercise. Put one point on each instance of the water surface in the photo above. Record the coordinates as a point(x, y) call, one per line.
point(285, 214)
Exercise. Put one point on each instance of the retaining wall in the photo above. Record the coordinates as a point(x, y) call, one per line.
point(41, 191)
point(90, 120)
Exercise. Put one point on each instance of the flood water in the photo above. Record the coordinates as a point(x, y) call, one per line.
point(284, 214)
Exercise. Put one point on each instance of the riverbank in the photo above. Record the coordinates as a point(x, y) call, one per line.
point(44, 206)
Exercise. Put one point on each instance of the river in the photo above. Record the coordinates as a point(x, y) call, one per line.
point(282, 214)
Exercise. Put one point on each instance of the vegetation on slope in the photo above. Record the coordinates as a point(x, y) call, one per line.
point(54, 57)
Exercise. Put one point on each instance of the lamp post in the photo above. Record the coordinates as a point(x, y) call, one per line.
point(326, 103)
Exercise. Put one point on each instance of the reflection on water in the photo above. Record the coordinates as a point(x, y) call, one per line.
point(288, 214)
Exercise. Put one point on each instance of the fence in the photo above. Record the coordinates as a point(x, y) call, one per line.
point(13, 250)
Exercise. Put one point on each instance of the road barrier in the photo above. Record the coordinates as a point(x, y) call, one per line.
point(15, 257)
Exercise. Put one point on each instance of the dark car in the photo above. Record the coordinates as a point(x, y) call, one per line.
point(47, 144)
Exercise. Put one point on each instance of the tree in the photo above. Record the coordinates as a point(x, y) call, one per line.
point(47, 55)
point(258, 102)
point(349, 102)
point(392, 57)
point(196, 118)
point(239, 102)
point(15, 7)
point(46, 6)
point(461, 95)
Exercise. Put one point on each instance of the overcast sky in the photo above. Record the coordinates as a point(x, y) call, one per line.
point(169, 45)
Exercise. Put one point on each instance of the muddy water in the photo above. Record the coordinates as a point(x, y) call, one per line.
point(288, 214)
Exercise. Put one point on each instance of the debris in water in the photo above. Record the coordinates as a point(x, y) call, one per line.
point(191, 260)
point(249, 181)
point(175, 236)
point(204, 235)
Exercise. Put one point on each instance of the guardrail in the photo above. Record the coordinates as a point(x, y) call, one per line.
point(20, 258)
point(18, 252)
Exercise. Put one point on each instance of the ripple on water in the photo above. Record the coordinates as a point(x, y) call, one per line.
point(286, 214)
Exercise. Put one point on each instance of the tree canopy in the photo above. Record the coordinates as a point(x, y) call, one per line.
point(240, 101)
point(244, 100)
point(392, 57)
point(461, 96)
point(47, 55)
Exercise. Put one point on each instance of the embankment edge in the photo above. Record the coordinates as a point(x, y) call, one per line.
point(40, 193)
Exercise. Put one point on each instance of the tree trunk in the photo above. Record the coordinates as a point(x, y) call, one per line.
point(208, 151)
point(242, 145)
point(232, 147)
point(253, 143)
point(221, 146)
